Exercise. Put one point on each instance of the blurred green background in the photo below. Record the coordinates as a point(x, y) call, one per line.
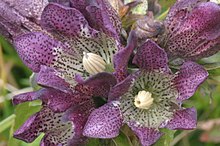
point(14, 79)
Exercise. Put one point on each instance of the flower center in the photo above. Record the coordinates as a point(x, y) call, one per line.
point(143, 100)
point(93, 63)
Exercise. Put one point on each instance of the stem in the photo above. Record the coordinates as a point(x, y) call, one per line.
point(3, 75)
point(7, 123)
point(2, 88)
point(180, 137)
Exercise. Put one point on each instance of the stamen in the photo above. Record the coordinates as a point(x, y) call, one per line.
point(143, 100)
point(93, 63)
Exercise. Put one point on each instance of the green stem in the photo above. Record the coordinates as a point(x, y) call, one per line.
point(3, 76)
point(7, 123)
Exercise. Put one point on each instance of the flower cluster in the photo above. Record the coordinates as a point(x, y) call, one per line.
point(81, 63)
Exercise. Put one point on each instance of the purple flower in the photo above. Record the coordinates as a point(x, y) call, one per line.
point(149, 99)
point(72, 47)
point(63, 115)
point(192, 29)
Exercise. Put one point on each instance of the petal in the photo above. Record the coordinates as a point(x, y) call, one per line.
point(183, 119)
point(19, 17)
point(48, 77)
point(56, 131)
point(79, 5)
point(190, 76)
point(178, 13)
point(97, 85)
point(104, 122)
point(200, 26)
point(151, 57)
point(105, 18)
point(28, 96)
point(122, 87)
point(147, 136)
point(122, 57)
point(205, 19)
point(59, 101)
point(79, 115)
point(54, 99)
point(100, 15)
point(65, 20)
point(37, 49)
point(29, 8)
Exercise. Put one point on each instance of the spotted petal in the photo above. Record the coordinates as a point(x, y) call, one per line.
point(178, 13)
point(33, 9)
point(105, 18)
point(54, 99)
point(104, 122)
point(122, 57)
point(19, 17)
point(190, 76)
point(49, 77)
point(183, 119)
point(56, 131)
point(100, 16)
point(79, 115)
point(97, 85)
point(79, 5)
point(122, 87)
point(37, 49)
point(67, 20)
point(28, 96)
point(199, 25)
point(151, 57)
point(147, 136)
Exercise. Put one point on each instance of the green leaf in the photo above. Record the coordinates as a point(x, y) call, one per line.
point(212, 66)
point(122, 140)
point(166, 139)
point(23, 112)
point(93, 142)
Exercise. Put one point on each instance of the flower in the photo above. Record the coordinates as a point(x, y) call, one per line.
point(192, 29)
point(149, 99)
point(63, 115)
point(72, 47)
point(70, 40)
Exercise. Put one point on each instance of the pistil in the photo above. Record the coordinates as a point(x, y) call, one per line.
point(143, 100)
